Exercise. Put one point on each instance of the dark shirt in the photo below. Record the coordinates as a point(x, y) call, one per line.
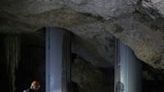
point(30, 90)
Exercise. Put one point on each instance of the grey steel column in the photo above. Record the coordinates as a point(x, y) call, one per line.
point(58, 58)
point(127, 70)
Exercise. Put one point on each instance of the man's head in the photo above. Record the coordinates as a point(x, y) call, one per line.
point(35, 85)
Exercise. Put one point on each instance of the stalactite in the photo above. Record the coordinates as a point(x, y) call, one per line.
point(12, 44)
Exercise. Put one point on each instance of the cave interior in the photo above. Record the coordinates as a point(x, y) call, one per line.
point(22, 57)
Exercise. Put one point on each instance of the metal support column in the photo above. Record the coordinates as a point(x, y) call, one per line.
point(58, 51)
point(127, 70)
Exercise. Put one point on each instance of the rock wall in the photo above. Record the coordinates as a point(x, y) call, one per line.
point(137, 23)
point(90, 78)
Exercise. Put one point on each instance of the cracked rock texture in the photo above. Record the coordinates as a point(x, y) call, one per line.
point(137, 23)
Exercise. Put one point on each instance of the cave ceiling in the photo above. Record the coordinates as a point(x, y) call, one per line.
point(137, 23)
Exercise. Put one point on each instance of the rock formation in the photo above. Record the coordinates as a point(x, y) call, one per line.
point(137, 23)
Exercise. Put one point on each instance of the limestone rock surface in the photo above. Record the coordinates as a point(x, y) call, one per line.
point(137, 23)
